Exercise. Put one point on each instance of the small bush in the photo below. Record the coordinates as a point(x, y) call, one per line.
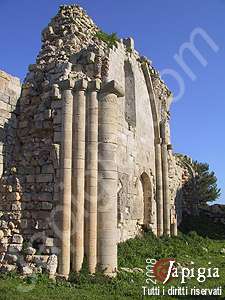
point(109, 39)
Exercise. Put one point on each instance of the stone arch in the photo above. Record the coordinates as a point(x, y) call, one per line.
point(158, 162)
point(144, 200)
point(147, 197)
point(130, 98)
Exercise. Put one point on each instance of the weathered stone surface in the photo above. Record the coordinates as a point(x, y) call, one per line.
point(77, 78)
point(27, 270)
point(17, 239)
point(52, 264)
point(8, 268)
point(1, 234)
point(11, 259)
point(30, 251)
point(14, 248)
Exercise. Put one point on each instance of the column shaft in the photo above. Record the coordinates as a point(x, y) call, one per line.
point(165, 179)
point(91, 174)
point(159, 190)
point(174, 229)
point(108, 178)
point(166, 202)
point(78, 174)
point(65, 177)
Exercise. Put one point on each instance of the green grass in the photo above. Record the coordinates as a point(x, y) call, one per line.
point(186, 249)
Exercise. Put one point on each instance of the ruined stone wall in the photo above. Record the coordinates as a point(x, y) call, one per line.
point(135, 154)
point(182, 184)
point(176, 181)
point(10, 89)
point(31, 190)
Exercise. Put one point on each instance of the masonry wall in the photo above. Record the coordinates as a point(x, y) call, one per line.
point(135, 154)
point(32, 194)
point(10, 89)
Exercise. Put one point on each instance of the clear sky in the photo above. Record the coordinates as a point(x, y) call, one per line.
point(160, 28)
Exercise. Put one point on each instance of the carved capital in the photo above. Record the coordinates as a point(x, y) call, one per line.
point(55, 93)
point(81, 85)
point(94, 85)
point(113, 87)
point(67, 84)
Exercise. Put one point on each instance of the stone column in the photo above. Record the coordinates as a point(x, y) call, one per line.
point(78, 173)
point(165, 180)
point(108, 177)
point(65, 176)
point(173, 221)
point(159, 188)
point(91, 173)
point(158, 154)
point(174, 229)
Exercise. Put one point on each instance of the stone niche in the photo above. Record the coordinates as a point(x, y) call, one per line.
point(90, 123)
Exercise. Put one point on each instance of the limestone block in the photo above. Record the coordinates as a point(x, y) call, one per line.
point(2, 256)
point(49, 242)
point(30, 178)
point(57, 137)
point(16, 206)
point(44, 196)
point(56, 104)
point(57, 118)
point(52, 264)
point(7, 232)
point(81, 85)
point(129, 43)
point(11, 258)
point(55, 92)
point(48, 169)
point(3, 97)
point(3, 224)
point(23, 224)
point(3, 248)
point(113, 87)
point(90, 58)
point(8, 268)
point(14, 248)
point(45, 178)
point(30, 251)
point(40, 260)
point(66, 84)
point(27, 270)
point(17, 239)
point(28, 258)
point(46, 206)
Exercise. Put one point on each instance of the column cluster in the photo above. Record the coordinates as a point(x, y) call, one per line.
point(88, 173)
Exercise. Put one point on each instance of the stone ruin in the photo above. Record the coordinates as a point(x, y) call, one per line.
point(87, 160)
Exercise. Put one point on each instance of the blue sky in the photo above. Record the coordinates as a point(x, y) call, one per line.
point(160, 28)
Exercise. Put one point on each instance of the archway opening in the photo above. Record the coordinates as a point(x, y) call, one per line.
point(147, 195)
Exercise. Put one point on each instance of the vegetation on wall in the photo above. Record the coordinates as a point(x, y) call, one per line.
point(110, 39)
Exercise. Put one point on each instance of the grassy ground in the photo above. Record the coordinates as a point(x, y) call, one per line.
point(189, 249)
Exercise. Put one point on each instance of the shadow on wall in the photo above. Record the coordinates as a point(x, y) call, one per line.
point(130, 99)
point(28, 196)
